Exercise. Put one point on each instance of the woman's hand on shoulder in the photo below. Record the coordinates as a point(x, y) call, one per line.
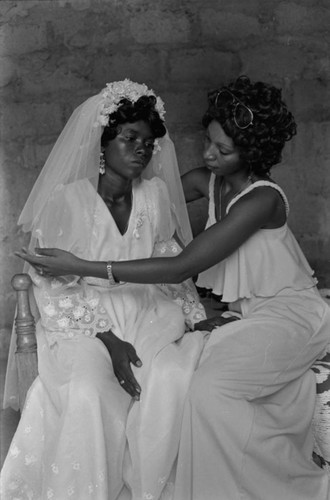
point(195, 183)
point(52, 261)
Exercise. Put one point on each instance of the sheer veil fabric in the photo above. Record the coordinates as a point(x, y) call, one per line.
point(75, 156)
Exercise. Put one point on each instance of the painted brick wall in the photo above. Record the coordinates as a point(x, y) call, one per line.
point(56, 53)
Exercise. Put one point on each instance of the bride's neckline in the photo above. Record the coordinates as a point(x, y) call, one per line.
point(116, 205)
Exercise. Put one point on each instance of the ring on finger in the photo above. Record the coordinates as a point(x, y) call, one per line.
point(122, 382)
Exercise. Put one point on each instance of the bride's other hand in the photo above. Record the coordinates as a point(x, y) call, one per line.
point(212, 323)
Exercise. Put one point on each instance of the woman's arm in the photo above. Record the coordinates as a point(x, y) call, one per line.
point(195, 184)
point(249, 214)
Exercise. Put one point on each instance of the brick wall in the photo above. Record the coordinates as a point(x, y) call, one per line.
point(56, 53)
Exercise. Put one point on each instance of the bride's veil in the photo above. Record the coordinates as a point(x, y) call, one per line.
point(76, 156)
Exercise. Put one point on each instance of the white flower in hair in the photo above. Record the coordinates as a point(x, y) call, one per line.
point(116, 91)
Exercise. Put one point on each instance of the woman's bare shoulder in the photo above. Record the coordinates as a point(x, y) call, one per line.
point(265, 202)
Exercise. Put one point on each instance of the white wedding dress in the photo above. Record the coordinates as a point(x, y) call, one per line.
point(81, 436)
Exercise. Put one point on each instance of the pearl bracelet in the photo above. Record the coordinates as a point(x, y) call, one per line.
point(111, 278)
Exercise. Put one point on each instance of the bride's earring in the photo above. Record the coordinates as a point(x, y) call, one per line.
point(102, 164)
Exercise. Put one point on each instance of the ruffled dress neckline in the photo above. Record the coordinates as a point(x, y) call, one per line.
point(269, 262)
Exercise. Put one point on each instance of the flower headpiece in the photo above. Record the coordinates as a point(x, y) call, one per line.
point(125, 89)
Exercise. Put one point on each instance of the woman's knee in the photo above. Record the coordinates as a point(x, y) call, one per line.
point(202, 389)
point(210, 385)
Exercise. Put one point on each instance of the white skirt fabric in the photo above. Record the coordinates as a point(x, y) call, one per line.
point(81, 436)
point(246, 431)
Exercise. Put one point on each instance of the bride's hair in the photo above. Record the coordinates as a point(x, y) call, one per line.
point(128, 112)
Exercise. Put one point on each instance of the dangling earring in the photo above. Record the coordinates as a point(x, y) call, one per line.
point(102, 164)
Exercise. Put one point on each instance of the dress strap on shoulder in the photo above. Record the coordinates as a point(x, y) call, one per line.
point(259, 184)
point(211, 198)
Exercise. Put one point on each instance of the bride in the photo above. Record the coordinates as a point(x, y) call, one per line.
point(102, 419)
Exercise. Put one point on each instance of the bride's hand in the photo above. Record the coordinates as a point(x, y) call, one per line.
point(212, 323)
point(123, 354)
point(52, 261)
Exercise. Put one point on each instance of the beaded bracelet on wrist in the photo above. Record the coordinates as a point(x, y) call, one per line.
point(111, 278)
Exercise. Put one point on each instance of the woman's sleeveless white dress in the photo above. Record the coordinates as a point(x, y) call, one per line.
point(246, 431)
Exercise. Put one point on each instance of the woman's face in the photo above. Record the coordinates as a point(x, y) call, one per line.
point(130, 152)
point(221, 155)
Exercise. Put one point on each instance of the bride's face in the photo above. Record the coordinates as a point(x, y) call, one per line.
point(130, 152)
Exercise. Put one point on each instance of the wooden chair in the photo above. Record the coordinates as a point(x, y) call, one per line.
point(26, 344)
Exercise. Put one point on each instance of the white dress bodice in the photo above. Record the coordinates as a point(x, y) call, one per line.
point(270, 261)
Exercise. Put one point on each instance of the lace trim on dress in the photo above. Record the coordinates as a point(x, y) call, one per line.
point(183, 294)
point(186, 298)
point(71, 312)
point(258, 184)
